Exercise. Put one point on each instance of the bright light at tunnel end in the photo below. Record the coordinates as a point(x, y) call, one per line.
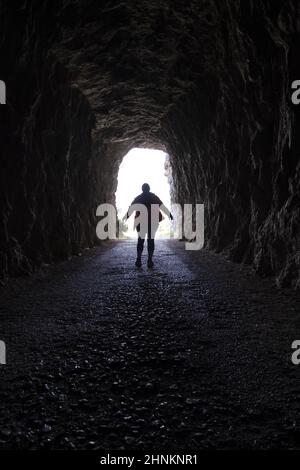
point(141, 166)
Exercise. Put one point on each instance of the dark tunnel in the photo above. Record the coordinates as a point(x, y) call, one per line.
point(208, 82)
point(87, 82)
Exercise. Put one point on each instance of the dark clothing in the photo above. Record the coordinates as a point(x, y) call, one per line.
point(148, 199)
point(150, 245)
point(149, 228)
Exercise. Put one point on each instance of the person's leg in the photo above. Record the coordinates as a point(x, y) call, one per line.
point(150, 242)
point(150, 245)
point(139, 250)
point(140, 246)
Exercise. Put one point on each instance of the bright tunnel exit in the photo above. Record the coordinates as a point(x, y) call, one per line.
point(142, 166)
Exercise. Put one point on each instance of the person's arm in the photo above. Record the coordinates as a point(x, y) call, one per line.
point(130, 211)
point(165, 210)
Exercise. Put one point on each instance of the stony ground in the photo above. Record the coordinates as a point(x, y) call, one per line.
point(193, 354)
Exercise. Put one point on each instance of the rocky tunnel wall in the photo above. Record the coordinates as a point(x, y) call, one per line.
point(49, 170)
point(235, 141)
point(207, 81)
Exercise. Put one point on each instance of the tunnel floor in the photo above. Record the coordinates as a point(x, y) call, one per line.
point(194, 354)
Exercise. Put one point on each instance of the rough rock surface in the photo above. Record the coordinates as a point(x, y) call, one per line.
point(208, 81)
point(195, 354)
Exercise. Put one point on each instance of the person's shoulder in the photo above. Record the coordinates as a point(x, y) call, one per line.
point(155, 198)
point(138, 198)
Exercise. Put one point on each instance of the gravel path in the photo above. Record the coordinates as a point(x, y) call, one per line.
point(193, 354)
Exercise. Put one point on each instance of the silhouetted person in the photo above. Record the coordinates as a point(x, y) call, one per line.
point(153, 204)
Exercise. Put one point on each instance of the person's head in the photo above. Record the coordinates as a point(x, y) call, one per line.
point(145, 188)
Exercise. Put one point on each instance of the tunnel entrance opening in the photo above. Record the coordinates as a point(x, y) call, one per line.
point(140, 166)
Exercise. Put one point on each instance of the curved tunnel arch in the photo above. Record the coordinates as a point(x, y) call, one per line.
point(190, 78)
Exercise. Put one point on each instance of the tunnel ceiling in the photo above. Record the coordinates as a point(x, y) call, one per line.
point(207, 81)
point(135, 61)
